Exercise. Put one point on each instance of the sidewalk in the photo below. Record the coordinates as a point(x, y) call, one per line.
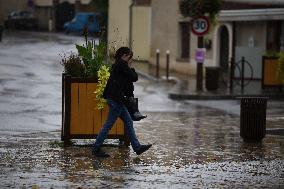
point(185, 86)
point(196, 145)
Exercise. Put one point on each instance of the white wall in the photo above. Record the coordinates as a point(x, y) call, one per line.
point(118, 23)
point(251, 43)
point(166, 36)
point(141, 32)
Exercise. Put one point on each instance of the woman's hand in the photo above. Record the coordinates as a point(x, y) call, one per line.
point(130, 61)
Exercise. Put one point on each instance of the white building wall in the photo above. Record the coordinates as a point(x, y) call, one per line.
point(141, 32)
point(251, 43)
point(165, 36)
point(118, 23)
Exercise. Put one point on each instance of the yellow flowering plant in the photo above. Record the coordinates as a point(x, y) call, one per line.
point(103, 75)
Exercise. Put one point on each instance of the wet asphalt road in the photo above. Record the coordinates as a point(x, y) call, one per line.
point(196, 143)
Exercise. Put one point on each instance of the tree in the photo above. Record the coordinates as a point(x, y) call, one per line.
point(197, 8)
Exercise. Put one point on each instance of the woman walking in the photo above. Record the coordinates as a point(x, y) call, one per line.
point(131, 103)
point(114, 93)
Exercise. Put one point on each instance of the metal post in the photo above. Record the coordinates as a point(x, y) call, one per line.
point(67, 109)
point(199, 68)
point(63, 105)
point(157, 63)
point(168, 64)
point(232, 74)
point(243, 73)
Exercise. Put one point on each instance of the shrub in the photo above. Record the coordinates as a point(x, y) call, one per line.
point(197, 8)
point(281, 66)
point(93, 56)
point(271, 54)
point(73, 65)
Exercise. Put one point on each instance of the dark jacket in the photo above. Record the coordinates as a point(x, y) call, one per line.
point(120, 81)
point(129, 89)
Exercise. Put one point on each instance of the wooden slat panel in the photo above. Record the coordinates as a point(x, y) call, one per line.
point(89, 107)
point(270, 72)
point(85, 118)
point(85, 126)
point(94, 115)
point(74, 117)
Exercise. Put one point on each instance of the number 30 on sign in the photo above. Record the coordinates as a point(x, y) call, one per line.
point(200, 26)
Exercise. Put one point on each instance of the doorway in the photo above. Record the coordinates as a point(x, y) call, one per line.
point(224, 48)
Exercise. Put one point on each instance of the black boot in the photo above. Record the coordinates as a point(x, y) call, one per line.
point(100, 153)
point(137, 116)
point(143, 148)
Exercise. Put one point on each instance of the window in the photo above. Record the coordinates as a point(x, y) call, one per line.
point(273, 35)
point(184, 40)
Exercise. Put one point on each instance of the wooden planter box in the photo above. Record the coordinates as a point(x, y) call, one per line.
point(269, 73)
point(80, 117)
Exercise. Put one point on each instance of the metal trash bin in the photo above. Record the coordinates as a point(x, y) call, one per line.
point(212, 78)
point(253, 118)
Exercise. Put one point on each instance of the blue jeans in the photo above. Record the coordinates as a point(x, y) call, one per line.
point(116, 110)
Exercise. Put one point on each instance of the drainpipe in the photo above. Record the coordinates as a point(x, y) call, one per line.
point(130, 22)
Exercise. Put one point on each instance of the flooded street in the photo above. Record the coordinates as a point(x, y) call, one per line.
point(197, 144)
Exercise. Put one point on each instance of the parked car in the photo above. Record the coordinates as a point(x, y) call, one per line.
point(21, 20)
point(82, 20)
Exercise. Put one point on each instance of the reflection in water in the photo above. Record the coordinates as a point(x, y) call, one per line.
point(194, 146)
point(195, 149)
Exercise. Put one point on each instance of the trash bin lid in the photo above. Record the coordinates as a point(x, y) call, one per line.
point(212, 67)
point(254, 100)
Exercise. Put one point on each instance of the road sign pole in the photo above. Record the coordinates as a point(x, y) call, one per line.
point(200, 26)
point(199, 68)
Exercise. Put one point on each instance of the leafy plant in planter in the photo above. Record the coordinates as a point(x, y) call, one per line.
point(93, 57)
point(90, 62)
point(88, 59)
point(83, 105)
point(271, 54)
point(73, 65)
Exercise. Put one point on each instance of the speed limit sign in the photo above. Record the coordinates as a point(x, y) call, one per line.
point(200, 26)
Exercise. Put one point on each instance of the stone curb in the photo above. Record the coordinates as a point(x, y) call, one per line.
point(204, 95)
point(176, 96)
